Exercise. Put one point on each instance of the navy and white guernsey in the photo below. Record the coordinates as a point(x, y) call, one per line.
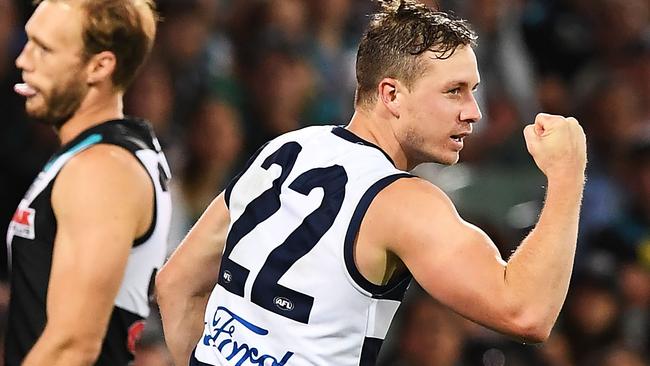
point(30, 240)
point(289, 292)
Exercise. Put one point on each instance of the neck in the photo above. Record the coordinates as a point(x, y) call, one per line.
point(377, 128)
point(96, 108)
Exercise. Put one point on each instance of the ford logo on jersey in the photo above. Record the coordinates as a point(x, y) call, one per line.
point(283, 303)
point(221, 334)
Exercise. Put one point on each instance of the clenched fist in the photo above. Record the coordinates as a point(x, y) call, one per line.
point(558, 145)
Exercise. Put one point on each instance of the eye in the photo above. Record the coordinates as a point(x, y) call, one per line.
point(38, 48)
point(454, 91)
point(42, 48)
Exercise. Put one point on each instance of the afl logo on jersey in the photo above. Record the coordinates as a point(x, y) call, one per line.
point(227, 276)
point(283, 303)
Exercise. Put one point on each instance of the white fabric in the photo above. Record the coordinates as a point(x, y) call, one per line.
point(343, 312)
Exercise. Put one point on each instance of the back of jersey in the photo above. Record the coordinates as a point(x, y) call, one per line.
point(289, 292)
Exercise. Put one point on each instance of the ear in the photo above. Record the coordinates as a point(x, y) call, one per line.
point(387, 90)
point(101, 67)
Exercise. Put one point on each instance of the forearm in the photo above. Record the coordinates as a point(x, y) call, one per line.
point(59, 350)
point(538, 273)
point(185, 282)
point(182, 319)
point(182, 295)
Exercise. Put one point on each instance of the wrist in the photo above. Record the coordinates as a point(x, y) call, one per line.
point(566, 176)
point(566, 182)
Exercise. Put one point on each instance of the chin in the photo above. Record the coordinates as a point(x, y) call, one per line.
point(35, 113)
point(439, 156)
point(450, 159)
point(35, 109)
point(448, 163)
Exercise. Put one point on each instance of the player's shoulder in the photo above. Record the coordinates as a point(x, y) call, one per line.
point(100, 157)
point(413, 186)
point(103, 164)
point(412, 195)
point(305, 133)
point(103, 177)
point(312, 138)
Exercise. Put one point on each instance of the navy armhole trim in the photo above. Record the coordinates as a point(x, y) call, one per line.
point(234, 180)
point(395, 288)
point(349, 136)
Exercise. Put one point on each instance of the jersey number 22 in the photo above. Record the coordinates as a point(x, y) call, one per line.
point(266, 291)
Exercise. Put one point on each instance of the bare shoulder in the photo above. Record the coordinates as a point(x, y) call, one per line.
point(110, 163)
point(411, 211)
point(413, 197)
point(408, 219)
point(102, 171)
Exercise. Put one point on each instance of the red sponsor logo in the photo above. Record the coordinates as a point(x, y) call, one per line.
point(134, 335)
point(21, 216)
point(22, 224)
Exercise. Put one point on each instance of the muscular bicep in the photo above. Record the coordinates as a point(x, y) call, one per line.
point(454, 261)
point(100, 200)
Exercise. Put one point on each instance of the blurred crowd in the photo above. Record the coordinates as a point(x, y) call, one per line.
point(227, 75)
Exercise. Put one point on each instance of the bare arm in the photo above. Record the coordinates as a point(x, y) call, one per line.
point(187, 279)
point(97, 200)
point(459, 265)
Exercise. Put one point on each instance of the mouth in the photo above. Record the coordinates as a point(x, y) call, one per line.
point(25, 90)
point(459, 137)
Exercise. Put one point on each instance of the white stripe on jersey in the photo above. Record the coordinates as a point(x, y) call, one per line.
point(147, 257)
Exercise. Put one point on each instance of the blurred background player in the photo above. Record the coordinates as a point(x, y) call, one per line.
point(89, 235)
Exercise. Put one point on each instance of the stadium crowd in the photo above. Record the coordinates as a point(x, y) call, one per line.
point(227, 75)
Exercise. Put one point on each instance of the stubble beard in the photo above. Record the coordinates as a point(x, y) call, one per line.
point(61, 103)
point(418, 151)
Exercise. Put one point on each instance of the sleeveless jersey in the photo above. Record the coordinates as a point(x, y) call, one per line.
point(289, 292)
point(30, 241)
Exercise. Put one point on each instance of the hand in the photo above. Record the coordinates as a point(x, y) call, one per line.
point(558, 145)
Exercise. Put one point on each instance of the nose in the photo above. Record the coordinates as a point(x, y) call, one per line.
point(471, 112)
point(22, 61)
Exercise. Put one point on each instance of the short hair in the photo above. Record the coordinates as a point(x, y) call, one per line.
point(126, 28)
point(396, 36)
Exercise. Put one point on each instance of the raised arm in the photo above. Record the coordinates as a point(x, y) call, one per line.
point(186, 280)
point(98, 202)
point(459, 265)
